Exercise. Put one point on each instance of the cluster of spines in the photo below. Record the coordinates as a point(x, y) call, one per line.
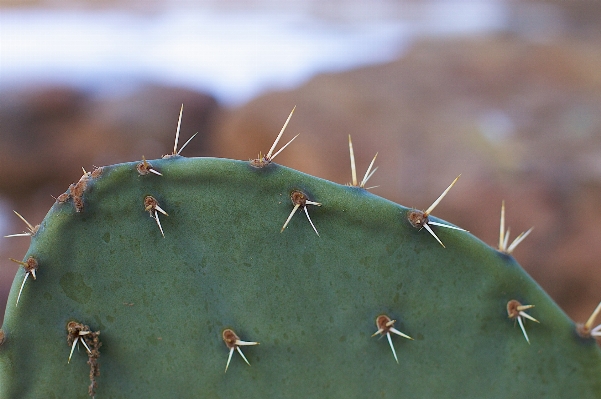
point(77, 332)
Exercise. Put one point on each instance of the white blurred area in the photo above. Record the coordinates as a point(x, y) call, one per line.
point(233, 50)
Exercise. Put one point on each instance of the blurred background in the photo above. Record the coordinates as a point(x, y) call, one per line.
point(507, 93)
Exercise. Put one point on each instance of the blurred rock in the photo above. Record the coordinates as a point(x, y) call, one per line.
point(48, 134)
point(520, 120)
point(577, 18)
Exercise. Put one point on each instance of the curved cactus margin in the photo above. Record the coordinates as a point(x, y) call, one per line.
point(181, 303)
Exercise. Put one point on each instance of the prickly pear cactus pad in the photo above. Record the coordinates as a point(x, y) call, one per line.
point(166, 284)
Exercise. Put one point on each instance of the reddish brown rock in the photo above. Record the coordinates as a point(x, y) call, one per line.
point(49, 134)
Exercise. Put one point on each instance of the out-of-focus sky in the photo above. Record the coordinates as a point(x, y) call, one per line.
point(233, 50)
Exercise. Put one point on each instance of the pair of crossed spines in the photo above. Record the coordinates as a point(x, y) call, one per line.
point(145, 167)
point(517, 311)
point(77, 332)
point(264, 160)
point(420, 219)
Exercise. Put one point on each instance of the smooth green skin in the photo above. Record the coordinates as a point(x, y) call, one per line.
point(161, 303)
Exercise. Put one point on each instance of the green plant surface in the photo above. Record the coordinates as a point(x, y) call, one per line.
point(161, 304)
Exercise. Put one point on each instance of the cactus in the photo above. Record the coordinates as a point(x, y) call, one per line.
point(226, 291)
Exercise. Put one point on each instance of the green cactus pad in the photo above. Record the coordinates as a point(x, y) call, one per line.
point(161, 304)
